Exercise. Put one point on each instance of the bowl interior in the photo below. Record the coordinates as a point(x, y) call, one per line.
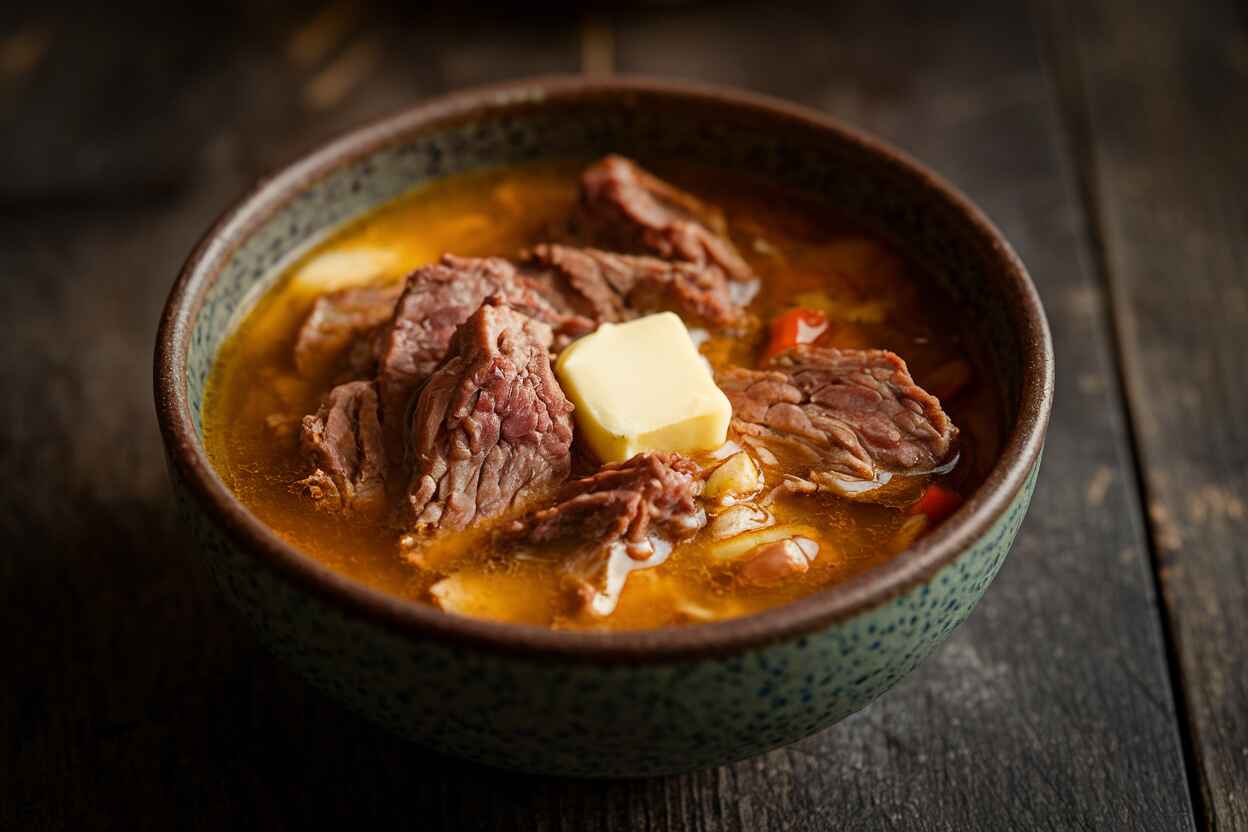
point(244, 254)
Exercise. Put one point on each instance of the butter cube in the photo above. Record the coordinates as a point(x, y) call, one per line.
point(642, 386)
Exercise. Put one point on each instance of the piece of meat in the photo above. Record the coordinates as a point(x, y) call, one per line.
point(577, 282)
point(624, 517)
point(339, 328)
point(623, 501)
point(625, 208)
point(608, 287)
point(343, 441)
point(846, 413)
point(491, 429)
point(773, 562)
point(436, 300)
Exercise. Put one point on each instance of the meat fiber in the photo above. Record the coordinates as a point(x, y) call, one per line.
point(343, 442)
point(491, 430)
point(848, 413)
point(625, 208)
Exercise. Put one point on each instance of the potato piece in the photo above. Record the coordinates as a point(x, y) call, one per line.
point(498, 596)
point(343, 269)
point(735, 547)
point(737, 479)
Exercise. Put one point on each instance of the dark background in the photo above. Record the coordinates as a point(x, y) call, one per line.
point(1100, 685)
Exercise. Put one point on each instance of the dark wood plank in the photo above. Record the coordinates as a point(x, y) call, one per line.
point(1158, 101)
point(132, 695)
point(1051, 708)
point(102, 103)
point(136, 697)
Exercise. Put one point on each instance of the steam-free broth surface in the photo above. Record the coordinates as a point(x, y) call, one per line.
point(804, 256)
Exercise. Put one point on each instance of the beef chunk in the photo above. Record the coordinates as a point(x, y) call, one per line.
point(623, 501)
point(436, 300)
point(340, 328)
point(848, 413)
point(574, 281)
point(625, 208)
point(623, 518)
point(604, 286)
point(343, 442)
point(491, 429)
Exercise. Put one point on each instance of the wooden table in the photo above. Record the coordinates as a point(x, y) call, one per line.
point(1102, 683)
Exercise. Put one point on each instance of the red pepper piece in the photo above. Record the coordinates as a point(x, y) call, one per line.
point(797, 326)
point(937, 503)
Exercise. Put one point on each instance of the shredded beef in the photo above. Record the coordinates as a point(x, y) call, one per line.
point(625, 208)
point(622, 518)
point(622, 501)
point(340, 328)
point(436, 300)
point(343, 441)
point(491, 429)
point(846, 412)
point(604, 286)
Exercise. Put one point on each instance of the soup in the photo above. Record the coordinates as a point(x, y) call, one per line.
point(616, 405)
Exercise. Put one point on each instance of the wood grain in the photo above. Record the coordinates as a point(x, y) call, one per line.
point(136, 701)
point(1157, 97)
point(1051, 708)
point(132, 698)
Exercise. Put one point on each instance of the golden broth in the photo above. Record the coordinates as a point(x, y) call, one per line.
point(802, 252)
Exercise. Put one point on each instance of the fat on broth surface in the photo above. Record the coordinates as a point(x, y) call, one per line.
point(804, 254)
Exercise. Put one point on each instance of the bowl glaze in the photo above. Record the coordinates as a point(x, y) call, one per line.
point(604, 704)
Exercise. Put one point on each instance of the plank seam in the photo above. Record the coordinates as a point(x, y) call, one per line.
point(597, 46)
point(1067, 74)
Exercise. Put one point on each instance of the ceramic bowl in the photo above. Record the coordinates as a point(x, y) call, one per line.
point(587, 703)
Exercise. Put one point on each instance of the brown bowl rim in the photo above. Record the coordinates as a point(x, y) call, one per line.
point(832, 605)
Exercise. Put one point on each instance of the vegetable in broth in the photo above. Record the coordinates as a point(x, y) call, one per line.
point(345, 406)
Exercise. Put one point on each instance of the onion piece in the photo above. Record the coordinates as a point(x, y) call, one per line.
point(739, 520)
point(809, 547)
point(737, 478)
point(742, 544)
point(725, 450)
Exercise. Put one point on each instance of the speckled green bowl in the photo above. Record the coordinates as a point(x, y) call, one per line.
point(604, 704)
